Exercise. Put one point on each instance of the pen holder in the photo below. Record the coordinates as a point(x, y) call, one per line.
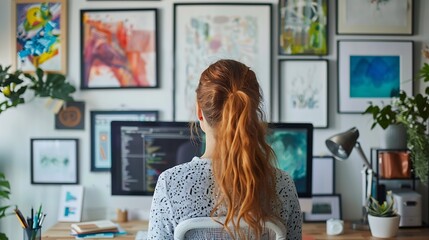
point(122, 215)
point(32, 234)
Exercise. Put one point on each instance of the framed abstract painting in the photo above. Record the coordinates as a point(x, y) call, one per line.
point(54, 161)
point(100, 134)
point(303, 91)
point(387, 17)
point(303, 27)
point(119, 48)
point(39, 29)
point(372, 71)
point(207, 32)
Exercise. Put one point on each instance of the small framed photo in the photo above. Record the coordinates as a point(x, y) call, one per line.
point(54, 161)
point(372, 71)
point(71, 116)
point(324, 207)
point(39, 29)
point(70, 207)
point(375, 17)
point(303, 27)
point(323, 179)
point(119, 48)
point(303, 91)
point(100, 134)
point(207, 32)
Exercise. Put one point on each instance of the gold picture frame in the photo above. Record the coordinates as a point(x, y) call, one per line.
point(39, 29)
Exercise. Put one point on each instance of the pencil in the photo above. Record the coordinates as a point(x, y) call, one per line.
point(21, 218)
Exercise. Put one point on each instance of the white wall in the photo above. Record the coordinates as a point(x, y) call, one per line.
point(31, 120)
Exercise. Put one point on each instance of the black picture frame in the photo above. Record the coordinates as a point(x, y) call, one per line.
point(109, 62)
point(54, 160)
point(100, 133)
point(295, 27)
point(251, 46)
point(325, 206)
point(366, 15)
point(303, 91)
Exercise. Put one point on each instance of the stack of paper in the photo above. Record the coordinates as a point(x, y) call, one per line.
point(96, 229)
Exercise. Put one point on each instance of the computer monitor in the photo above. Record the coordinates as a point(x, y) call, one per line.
point(293, 145)
point(142, 150)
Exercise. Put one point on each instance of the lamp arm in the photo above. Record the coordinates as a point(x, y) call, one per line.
point(362, 155)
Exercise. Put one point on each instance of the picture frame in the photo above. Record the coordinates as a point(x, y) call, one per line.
point(372, 72)
point(70, 204)
point(303, 91)
point(101, 157)
point(243, 33)
point(54, 160)
point(324, 207)
point(39, 41)
point(119, 48)
point(71, 116)
point(323, 179)
point(375, 17)
point(303, 27)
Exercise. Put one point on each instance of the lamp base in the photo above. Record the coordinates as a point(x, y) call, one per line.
point(361, 224)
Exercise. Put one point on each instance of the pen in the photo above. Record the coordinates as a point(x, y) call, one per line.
point(41, 220)
point(40, 211)
point(21, 218)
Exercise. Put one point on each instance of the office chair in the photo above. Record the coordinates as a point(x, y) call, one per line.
point(207, 228)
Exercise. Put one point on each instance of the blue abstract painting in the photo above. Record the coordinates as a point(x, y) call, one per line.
point(374, 76)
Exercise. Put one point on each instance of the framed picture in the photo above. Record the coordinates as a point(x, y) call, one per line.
point(372, 71)
point(54, 161)
point(71, 116)
point(323, 179)
point(39, 29)
point(70, 207)
point(303, 91)
point(100, 134)
point(303, 27)
point(207, 32)
point(375, 17)
point(119, 48)
point(324, 207)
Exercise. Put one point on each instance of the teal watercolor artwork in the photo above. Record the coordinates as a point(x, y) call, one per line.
point(374, 76)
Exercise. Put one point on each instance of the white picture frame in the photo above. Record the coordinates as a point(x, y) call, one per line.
point(323, 178)
point(243, 34)
point(372, 71)
point(324, 207)
point(303, 91)
point(70, 206)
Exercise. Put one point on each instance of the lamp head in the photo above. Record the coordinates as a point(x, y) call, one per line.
point(342, 144)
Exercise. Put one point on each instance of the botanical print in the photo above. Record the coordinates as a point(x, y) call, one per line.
point(38, 36)
point(374, 76)
point(205, 36)
point(377, 12)
point(303, 27)
point(119, 49)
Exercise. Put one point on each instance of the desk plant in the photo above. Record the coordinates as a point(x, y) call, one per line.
point(413, 113)
point(383, 218)
point(13, 85)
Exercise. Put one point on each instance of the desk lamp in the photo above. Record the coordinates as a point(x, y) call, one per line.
point(341, 145)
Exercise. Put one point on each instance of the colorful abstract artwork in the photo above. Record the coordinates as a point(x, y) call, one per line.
point(70, 204)
point(303, 27)
point(40, 35)
point(304, 91)
point(374, 76)
point(119, 48)
point(372, 71)
point(375, 17)
point(205, 33)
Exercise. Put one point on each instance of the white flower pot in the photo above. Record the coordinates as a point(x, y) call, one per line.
point(383, 227)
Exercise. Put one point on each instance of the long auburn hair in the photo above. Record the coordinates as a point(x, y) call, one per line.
point(243, 163)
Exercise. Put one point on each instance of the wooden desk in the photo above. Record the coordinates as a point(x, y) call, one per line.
point(312, 231)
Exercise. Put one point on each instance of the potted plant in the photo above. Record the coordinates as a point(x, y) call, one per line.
point(13, 85)
point(413, 113)
point(382, 218)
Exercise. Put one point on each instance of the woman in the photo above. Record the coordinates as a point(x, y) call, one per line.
point(235, 177)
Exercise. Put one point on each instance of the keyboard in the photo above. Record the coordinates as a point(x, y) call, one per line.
point(141, 235)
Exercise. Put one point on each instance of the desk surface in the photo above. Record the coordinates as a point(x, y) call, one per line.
point(312, 231)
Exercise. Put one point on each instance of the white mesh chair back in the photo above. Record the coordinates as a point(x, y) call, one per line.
point(207, 228)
